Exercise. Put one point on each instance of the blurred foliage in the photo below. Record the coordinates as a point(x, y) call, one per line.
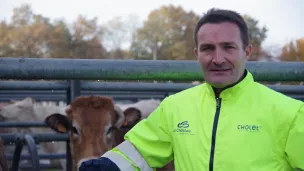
point(167, 34)
point(294, 51)
point(32, 35)
point(256, 35)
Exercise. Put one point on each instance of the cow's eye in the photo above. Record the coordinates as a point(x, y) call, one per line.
point(109, 130)
point(75, 131)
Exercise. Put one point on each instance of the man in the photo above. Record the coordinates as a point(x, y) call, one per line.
point(229, 123)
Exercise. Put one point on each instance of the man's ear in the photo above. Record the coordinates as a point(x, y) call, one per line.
point(58, 122)
point(195, 52)
point(248, 51)
point(132, 117)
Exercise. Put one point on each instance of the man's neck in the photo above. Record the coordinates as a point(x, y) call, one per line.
point(217, 91)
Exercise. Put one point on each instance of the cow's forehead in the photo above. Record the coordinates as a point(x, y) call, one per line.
point(91, 110)
point(91, 117)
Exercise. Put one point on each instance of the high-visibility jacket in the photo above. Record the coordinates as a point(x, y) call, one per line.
point(248, 127)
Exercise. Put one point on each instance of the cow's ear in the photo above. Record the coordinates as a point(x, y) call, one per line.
point(58, 122)
point(132, 116)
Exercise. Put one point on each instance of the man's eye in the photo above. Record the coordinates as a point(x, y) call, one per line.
point(229, 47)
point(205, 48)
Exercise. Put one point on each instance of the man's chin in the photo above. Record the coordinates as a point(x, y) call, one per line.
point(219, 83)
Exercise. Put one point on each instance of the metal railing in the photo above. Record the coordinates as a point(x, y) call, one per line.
point(75, 71)
point(96, 69)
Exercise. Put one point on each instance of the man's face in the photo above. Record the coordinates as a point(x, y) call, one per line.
point(221, 54)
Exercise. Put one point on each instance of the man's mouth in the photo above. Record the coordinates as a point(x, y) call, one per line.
point(219, 70)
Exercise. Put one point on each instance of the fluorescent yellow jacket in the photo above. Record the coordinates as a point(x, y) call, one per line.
point(248, 127)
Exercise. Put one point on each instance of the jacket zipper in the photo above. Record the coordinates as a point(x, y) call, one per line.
point(215, 122)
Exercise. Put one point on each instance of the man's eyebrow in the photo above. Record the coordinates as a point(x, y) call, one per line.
point(206, 44)
point(222, 43)
point(211, 44)
point(228, 43)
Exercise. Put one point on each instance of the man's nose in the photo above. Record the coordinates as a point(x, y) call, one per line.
point(218, 57)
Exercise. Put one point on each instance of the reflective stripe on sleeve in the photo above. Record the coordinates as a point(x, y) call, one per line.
point(121, 162)
point(131, 152)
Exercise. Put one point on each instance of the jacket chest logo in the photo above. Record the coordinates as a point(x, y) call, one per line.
point(249, 128)
point(183, 128)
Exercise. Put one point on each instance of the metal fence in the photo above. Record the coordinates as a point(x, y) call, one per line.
point(120, 91)
point(94, 69)
point(64, 79)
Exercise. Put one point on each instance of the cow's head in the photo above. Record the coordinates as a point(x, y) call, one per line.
point(132, 117)
point(91, 123)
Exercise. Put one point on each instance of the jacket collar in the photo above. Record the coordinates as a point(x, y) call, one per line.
point(234, 90)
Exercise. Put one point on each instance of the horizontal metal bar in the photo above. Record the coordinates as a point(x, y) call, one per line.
point(41, 156)
point(60, 98)
point(168, 87)
point(118, 93)
point(22, 124)
point(37, 87)
point(57, 98)
point(42, 166)
point(141, 88)
point(40, 137)
point(126, 96)
point(34, 85)
point(29, 92)
point(12, 94)
point(137, 86)
point(299, 97)
point(38, 97)
point(63, 93)
point(288, 89)
point(97, 69)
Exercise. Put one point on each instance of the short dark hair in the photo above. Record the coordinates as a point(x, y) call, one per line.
point(215, 15)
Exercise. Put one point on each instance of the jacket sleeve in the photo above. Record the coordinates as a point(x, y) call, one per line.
point(295, 141)
point(148, 144)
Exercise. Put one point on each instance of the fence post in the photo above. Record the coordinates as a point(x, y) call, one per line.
point(17, 154)
point(72, 92)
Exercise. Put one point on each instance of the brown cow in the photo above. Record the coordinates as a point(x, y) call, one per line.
point(93, 123)
point(3, 161)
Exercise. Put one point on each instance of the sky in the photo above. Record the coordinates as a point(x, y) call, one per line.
point(283, 18)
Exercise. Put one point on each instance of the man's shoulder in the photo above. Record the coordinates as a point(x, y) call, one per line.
point(186, 94)
point(275, 97)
